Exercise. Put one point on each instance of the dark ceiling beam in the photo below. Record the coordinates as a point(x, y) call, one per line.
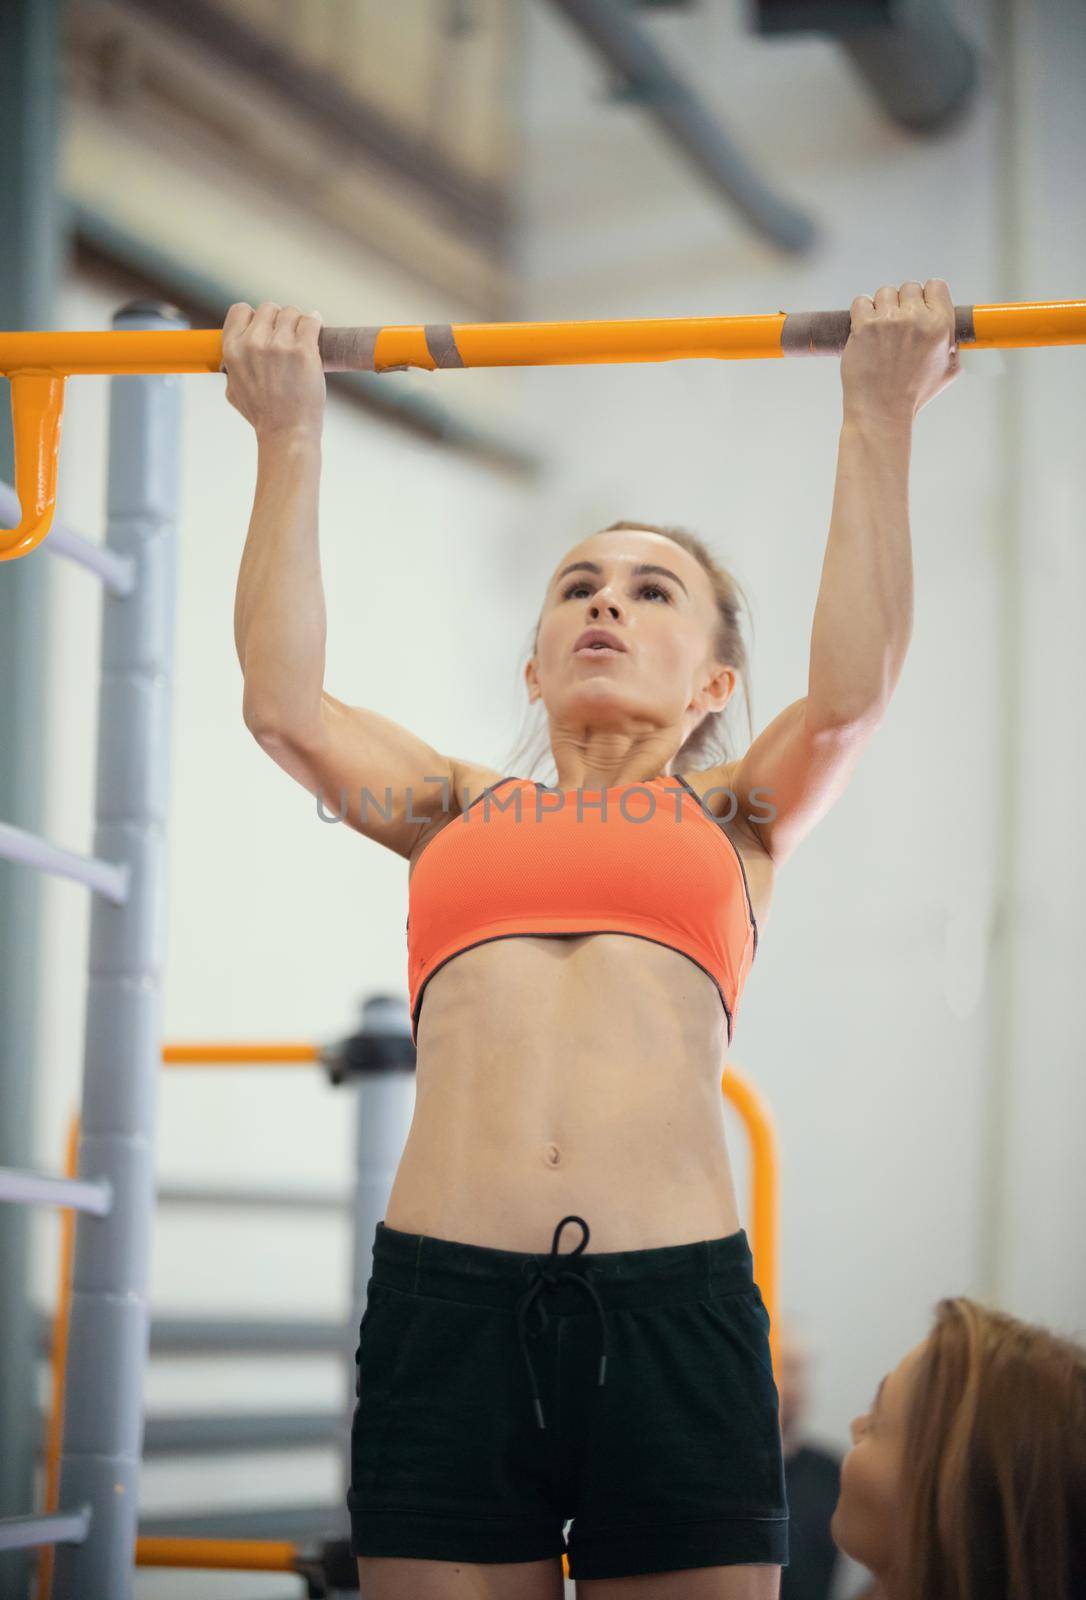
point(646, 77)
point(97, 241)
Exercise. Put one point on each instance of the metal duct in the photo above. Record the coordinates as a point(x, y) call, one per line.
point(923, 72)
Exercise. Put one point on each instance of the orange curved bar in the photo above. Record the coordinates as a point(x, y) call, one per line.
point(37, 406)
point(239, 1555)
point(58, 1360)
point(38, 363)
point(765, 1189)
point(239, 1054)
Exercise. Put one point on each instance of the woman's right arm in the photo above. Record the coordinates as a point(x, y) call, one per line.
point(338, 752)
point(276, 381)
point(280, 624)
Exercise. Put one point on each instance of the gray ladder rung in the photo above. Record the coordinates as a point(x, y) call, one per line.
point(19, 845)
point(63, 1527)
point(38, 1189)
point(217, 1335)
point(176, 1194)
point(118, 573)
point(270, 1522)
point(200, 1434)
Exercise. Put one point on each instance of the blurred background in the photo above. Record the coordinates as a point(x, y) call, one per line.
point(914, 1019)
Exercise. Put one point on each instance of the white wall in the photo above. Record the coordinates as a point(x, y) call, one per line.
point(920, 956)
point(919, 962)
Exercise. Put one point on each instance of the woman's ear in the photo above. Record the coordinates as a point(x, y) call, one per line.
point(718, 690)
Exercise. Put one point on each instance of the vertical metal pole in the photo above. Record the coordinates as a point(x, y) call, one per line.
point(34, 231)
point(107, 1352)
point(361, 1266)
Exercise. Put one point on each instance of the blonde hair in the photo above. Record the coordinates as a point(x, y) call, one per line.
point(994, 1501)
point(708, 744)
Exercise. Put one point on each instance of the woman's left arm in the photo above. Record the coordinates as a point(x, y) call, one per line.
point(899, 355)
point(864, 613)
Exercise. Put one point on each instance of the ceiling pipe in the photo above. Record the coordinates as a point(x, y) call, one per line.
point(685, 118)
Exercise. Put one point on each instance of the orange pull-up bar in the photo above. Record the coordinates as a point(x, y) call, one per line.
point(38, 363)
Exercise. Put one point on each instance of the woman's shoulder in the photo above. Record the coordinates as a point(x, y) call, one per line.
point(714, 788)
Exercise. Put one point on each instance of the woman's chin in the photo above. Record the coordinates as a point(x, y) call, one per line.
point(845, 1537)
point(839, 1530)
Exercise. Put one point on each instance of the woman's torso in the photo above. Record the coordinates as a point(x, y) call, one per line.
point(576, 1074)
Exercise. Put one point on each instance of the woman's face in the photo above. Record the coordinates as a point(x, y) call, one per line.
point(867, 1518)
point(663, 681)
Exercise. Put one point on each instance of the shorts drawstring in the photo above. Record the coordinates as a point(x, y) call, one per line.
point(547, 1277)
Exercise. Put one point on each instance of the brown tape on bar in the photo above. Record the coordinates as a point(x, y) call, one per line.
point(347, 349)
point(815, 333)
point(825, 333)
point(964, 331)
point(441, 343)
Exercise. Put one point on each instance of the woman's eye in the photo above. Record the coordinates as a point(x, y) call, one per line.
point(646, 588)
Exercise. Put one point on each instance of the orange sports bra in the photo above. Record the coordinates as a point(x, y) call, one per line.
point(646, 859)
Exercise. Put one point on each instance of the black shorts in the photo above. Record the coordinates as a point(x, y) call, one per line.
point(672, 1461)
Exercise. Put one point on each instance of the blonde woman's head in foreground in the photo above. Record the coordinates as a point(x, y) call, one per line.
point(967, 1478)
